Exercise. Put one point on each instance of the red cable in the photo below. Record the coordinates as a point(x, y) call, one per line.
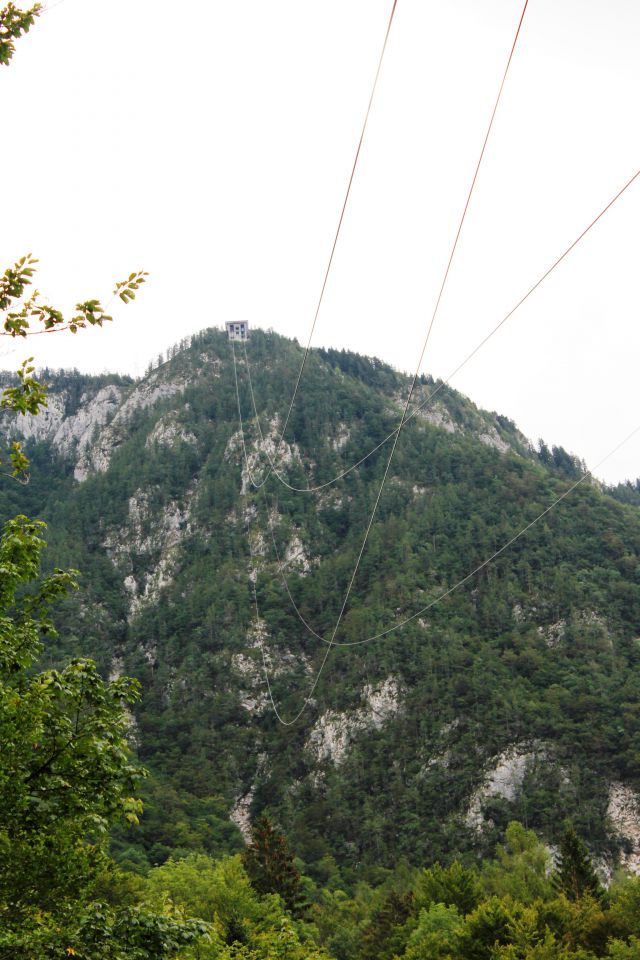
point(342, 213)
point(469, 195)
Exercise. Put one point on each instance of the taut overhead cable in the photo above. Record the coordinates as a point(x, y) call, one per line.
point(481, 566)
point(405, 409)
point(340, 220)
point(460, 583)
point(332, 642)
point(272, 464)
point(429, 400)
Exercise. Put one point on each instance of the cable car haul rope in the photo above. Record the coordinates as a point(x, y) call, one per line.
point(259, 484)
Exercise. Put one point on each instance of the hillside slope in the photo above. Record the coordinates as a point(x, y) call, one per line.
point(514, 697)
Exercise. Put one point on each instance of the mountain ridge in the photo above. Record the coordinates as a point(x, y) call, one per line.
point(504, 702)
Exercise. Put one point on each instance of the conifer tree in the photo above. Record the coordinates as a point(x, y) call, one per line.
point(574, 874)
point(382, 938)
point(270, 864)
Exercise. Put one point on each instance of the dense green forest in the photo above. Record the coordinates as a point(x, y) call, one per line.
point(534, 659)
point(513, 907)
point(186, 772)
point(66, 772)
point(504, 712)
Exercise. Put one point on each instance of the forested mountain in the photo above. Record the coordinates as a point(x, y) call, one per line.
point(514, 697)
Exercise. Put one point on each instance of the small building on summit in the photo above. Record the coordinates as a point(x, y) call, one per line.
point(238, 331)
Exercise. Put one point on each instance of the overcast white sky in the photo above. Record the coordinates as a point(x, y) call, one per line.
point(210, 143)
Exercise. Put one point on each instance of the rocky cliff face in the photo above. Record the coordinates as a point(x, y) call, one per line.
point(98, 426)
point(501, 702)
point(70, 433)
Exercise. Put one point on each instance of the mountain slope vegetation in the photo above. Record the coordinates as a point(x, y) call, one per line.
point(514, 697)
